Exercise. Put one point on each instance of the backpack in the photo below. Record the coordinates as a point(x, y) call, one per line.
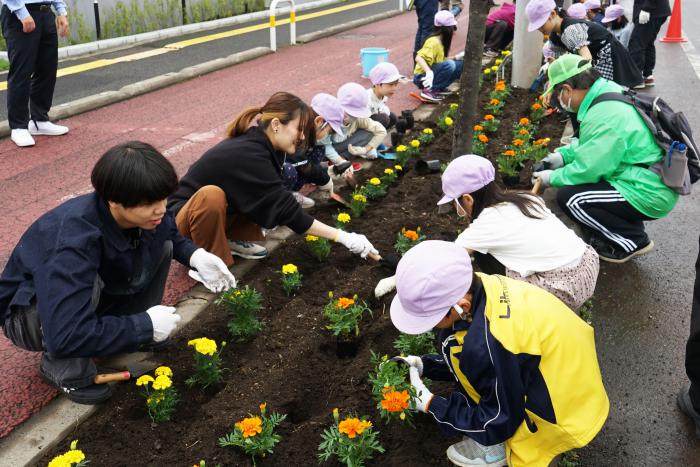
point(681, 166)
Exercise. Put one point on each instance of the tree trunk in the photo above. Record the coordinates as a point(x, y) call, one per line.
point(469, 81)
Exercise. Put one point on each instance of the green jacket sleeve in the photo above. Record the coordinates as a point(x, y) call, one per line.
point(598, 158)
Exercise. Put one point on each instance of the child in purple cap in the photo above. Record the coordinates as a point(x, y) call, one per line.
point(434, 72)
point(593, 11)
point(525, 367)
point(577, 11)
point(385, 80)
point(618, 24)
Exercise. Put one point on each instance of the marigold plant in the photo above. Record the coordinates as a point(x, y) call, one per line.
point(490, 124)
point(291, 279)
point(445, 122)
point(407, 239)
point(352, 441)
point(479, 143)
point(452, 110)
point(426, 136)
point(207, 362)
point(72, 458)
point(344, 314)
point(342, 220)
point(357, 203)
point(374, 189)
point(414, 143)
point(494, 106)
point(391, 389)
point(255, 435)
point(419, 344)
point(509, 163)
point(160, 394)
point(537, 111)
point(243, 306)
point(319, 247)
point(478, 128)
point(389, 176)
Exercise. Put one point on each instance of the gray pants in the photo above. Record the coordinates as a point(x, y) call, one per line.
point(359, 138)
point(23, 328)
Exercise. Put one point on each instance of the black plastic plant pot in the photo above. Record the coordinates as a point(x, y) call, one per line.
point(346, 347)
point(427, 167)
point(395, 139)
point(401, 126)
point(408, 116)
point(511, 180)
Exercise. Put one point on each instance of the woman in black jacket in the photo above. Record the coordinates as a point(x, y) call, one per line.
point(237, 187)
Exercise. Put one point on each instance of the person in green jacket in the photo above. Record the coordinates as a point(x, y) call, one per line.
point(604, 181)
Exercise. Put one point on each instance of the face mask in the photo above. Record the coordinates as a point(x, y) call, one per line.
point(325, 140)
point(460, 210)
point(566, 106)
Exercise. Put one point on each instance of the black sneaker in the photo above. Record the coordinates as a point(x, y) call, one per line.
point(686, 406)
point(88, 395)
point(612, 254)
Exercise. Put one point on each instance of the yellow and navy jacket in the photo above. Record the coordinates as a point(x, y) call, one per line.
point(526, 370)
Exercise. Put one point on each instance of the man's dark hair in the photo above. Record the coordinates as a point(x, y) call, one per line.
point(582, 80)
point(133, 174)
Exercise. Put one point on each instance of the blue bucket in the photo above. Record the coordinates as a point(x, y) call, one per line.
point(371, 56)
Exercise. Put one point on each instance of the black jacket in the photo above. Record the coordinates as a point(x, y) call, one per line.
point(249, 171)
point(656, 9)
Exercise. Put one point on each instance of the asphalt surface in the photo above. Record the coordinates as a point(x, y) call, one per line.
point(113, 77)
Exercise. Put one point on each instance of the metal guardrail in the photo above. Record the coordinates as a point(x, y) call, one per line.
point(292, 23)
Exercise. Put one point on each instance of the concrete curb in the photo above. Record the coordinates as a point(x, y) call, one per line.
point(116, 43)
point(312, 36)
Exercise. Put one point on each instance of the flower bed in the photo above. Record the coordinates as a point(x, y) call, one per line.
point(291, 364)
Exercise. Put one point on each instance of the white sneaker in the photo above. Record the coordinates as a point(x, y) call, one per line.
point(247, 250)
point(305, 202)
point(22, 138)
point(46, 128)
point(468, 452)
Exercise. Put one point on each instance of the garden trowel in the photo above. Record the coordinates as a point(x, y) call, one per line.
point(126, 366)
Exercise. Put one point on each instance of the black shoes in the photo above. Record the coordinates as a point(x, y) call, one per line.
point(612, 254)
point(686, 406)
point(88, 395)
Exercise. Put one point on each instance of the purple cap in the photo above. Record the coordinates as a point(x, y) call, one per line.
point(466, 174)
point(430, 278)
point(354, 100)
point(538, 12)
point(592, 4)
point(613, 12)
point(576, 11)
point(444, 18)
point(329, 108)
point(383, 73)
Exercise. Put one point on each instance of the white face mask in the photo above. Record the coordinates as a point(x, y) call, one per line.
point(460, 210)
point(566, 106)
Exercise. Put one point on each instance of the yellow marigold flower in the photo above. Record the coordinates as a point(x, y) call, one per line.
point(536, 106)
point(344, 217)
point(523, 131)
point(478, 128)
point(59, 461)
point(518, 142)
point(364, 424)
point(412, 235)
point(263, 406)
point(494, 68)
point(489, 117)
point(353, 427)
point(509, 152)
point(74, 456)
point(505, 52)
point(454, 106)
point(336, 413)
point(344, 302)
point(388, 171)
point(203, 345)
point(164, 371)
point(162, 382)
point(144, 380)
point(483, 138)
point(250, 426)
point(289, 269)
point(414, 143)
point(524, 121)
point(311, 238)
point(375, 181)
point(402, 416)
point(360, 198)
point(487, 71)
point(398, 167)
point(498, 61)
point(449, 121)
point(494, 102)
point(401, 148)
point(395, 401)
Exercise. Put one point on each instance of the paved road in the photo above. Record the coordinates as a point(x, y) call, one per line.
point(72, 87)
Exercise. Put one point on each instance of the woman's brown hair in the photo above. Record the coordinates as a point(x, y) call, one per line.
point(283, 106)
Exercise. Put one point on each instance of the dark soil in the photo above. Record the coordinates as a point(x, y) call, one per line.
point(292, 364)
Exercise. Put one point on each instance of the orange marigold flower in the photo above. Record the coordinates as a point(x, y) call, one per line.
point(395, 401)
point(523, 131)
point(500, 83)
point(478, 128)
point(500, 87)
point(412, 235)
point(483, 138)
point(541, 141)
point(541, 98)
point(489, 117)
point(353, 427)
point(250, 426)
point(494, 102)
point(344, 302)
point(524, 121)
point(536, 106)
point(509, 152)
point(518, 142)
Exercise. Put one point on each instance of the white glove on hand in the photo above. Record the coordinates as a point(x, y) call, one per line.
point(427, 80)
point(544, 68)
point(328, 186)
point(423, 395)
point(356, 243)
point(553, 161)
point(215, 275)
point(544, 176)
point(460, 56)
point(164, 321)
point(385, 286)
point(357, 150)
point(644, 17)
point(412, 361)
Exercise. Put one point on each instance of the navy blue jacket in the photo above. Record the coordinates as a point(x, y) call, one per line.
point(58, 259)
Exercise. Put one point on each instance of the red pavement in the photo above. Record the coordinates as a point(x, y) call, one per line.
point(182, 121)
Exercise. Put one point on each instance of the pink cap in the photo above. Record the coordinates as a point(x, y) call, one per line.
point(444, 18)
point(354, 100)
point(538, 12)
point(383, 73)
point(576, 11)
point(464, 175)
point(613, 12)
point(431, 277)
point(329, 108)
point(592, 4)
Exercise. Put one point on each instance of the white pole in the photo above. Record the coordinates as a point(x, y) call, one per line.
point(292, 23)
point(273, 31)
point(527, 50)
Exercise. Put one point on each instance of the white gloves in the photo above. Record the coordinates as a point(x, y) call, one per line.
point(644, 17)
point(544, 176)
point(164, 321)
point(347, 173)
point(553, 161)
point(356, 243)
point(357, 150)
point(412, 361)
point(328, 186)
point(213, 271)
point(423, 395)
point(460, 56)
point(427, 80)
point(385, 286)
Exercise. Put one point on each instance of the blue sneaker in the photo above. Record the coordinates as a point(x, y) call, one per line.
point(381, 148)
point(468, 452)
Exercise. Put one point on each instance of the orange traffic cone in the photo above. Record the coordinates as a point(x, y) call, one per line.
point(674, 32)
